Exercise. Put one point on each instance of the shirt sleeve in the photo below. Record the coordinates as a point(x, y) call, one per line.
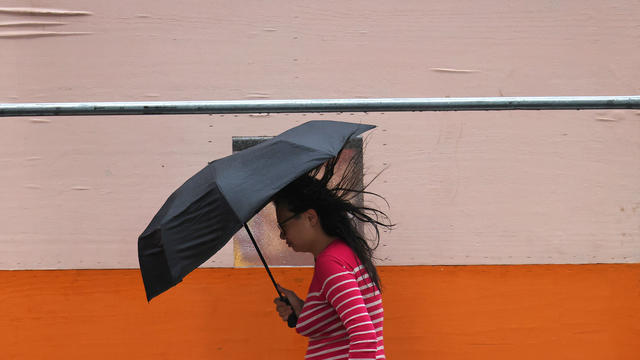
point(340, 289)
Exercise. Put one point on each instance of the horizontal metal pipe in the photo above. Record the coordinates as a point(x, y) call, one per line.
point(321, 105)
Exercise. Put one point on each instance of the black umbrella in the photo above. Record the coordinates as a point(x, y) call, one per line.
point(200, 217)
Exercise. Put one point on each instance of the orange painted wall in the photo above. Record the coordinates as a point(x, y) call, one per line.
point(431, 312)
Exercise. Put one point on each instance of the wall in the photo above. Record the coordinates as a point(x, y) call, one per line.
point(431, 312)
point(548, 198)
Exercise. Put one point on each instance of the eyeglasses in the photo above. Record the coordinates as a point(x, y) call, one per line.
point(281, 224)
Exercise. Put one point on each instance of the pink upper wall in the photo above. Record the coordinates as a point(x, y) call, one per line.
point(465, 188)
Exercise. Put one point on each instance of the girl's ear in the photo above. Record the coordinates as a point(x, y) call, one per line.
point(312, 216)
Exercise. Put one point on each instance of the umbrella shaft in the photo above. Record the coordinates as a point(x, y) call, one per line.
point(264, 262)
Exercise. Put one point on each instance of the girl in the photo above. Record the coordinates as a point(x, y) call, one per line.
point(342, 314)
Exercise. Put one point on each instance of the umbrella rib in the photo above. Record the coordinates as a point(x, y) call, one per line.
point(320, 152)
point(326, 153)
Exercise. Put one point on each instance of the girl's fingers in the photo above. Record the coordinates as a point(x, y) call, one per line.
point(293, 299)
point(284, 290)
point(284, 314)
point(283, 309)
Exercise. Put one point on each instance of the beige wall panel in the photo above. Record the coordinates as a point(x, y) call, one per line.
point(465, 188)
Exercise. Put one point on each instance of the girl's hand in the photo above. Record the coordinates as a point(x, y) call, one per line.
point(285, 310)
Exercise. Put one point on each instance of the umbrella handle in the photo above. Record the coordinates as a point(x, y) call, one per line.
point(293, 319)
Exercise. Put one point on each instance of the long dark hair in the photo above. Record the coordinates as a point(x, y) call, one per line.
point(340, 206)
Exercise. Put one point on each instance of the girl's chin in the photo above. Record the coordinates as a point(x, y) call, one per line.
point(293, 247)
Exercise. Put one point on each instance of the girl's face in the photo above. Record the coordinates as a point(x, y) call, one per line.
point(294, 228)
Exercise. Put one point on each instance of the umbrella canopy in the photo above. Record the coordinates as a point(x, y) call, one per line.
point(200, 217)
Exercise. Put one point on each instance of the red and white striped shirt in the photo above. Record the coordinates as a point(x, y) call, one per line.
point(342, 315)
